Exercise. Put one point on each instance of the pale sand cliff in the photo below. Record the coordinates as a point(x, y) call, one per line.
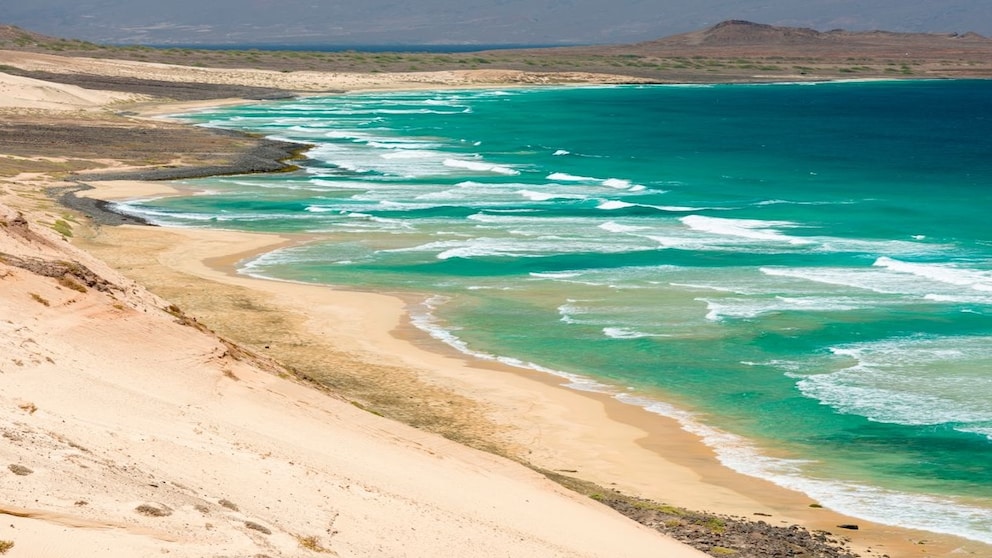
point(132, 430)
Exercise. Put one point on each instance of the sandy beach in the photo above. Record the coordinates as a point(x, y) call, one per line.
point(156, 401)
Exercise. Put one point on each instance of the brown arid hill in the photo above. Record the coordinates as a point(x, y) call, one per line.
point(732, 51)
point(757, 38)
point(745, 51)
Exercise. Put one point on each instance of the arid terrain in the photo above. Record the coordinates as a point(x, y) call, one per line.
point(729, 51)
point(76, 115)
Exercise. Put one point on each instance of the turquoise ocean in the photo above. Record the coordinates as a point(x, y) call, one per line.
point(799, 273)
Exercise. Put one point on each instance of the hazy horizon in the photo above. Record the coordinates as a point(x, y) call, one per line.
point(494, 22)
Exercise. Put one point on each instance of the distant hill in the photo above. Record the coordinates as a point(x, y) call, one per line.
point(13, 35)
point(739, 32)
point(758, 39)
point(743, 33)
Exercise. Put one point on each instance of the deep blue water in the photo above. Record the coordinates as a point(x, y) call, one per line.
point(800, 273)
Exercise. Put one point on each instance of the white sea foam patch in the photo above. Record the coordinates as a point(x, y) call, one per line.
point(546, 196)
point(752, 229)
point(424, 318)
point(571, 311)
point(719, 309)
point(403, 144)
point(618, 183)
point(480, 166)
point(258, 266)
point(525, 217)
point(717, 288)
point(614, 227)
point(860, 278)
point(610, 205)
point(789, 202)
point(977, 279)
point(186, 219)
point(137, 208)
point(561, 152)
point(534, 246)
point(554, 275)
point(917, 381)
point(629, 333)
point(884, 280)
point(412, 154)
point(623, 184)
point(565, 177)
point(522, 245)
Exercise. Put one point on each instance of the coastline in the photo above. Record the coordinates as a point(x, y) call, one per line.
point(585, 435)
point(591, 436)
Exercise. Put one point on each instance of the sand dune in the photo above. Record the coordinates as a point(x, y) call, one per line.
point(23, 92)
point(130, 432)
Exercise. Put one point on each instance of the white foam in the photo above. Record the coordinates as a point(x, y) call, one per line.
point(628, 333)
point(411, 154)
point(554, 275)
point(479, 166)
point(565, 177)
point(730, 307)
point(979, 280)
point(614, 227)
point(561, 152)
point(744, 228)
point(610, 205)
point(425, 319)
point(546, 196)
point(618, 183)
point(569, 311)
point(848, 277)
point(707, 288)
point(790, 202)
point(911, 381)
point(888, 281)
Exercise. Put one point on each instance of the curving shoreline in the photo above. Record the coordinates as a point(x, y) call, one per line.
point(641, 448)
point(576, 432)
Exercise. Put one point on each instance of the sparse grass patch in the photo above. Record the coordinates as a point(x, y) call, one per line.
point(228, 504)
point(715, 524)
point(311, 543)
point(153, 511)
point(663, 508)
point(68, 282)
point(5, 546)
point(40, 299)
point(258, 527)
point(19, 470)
